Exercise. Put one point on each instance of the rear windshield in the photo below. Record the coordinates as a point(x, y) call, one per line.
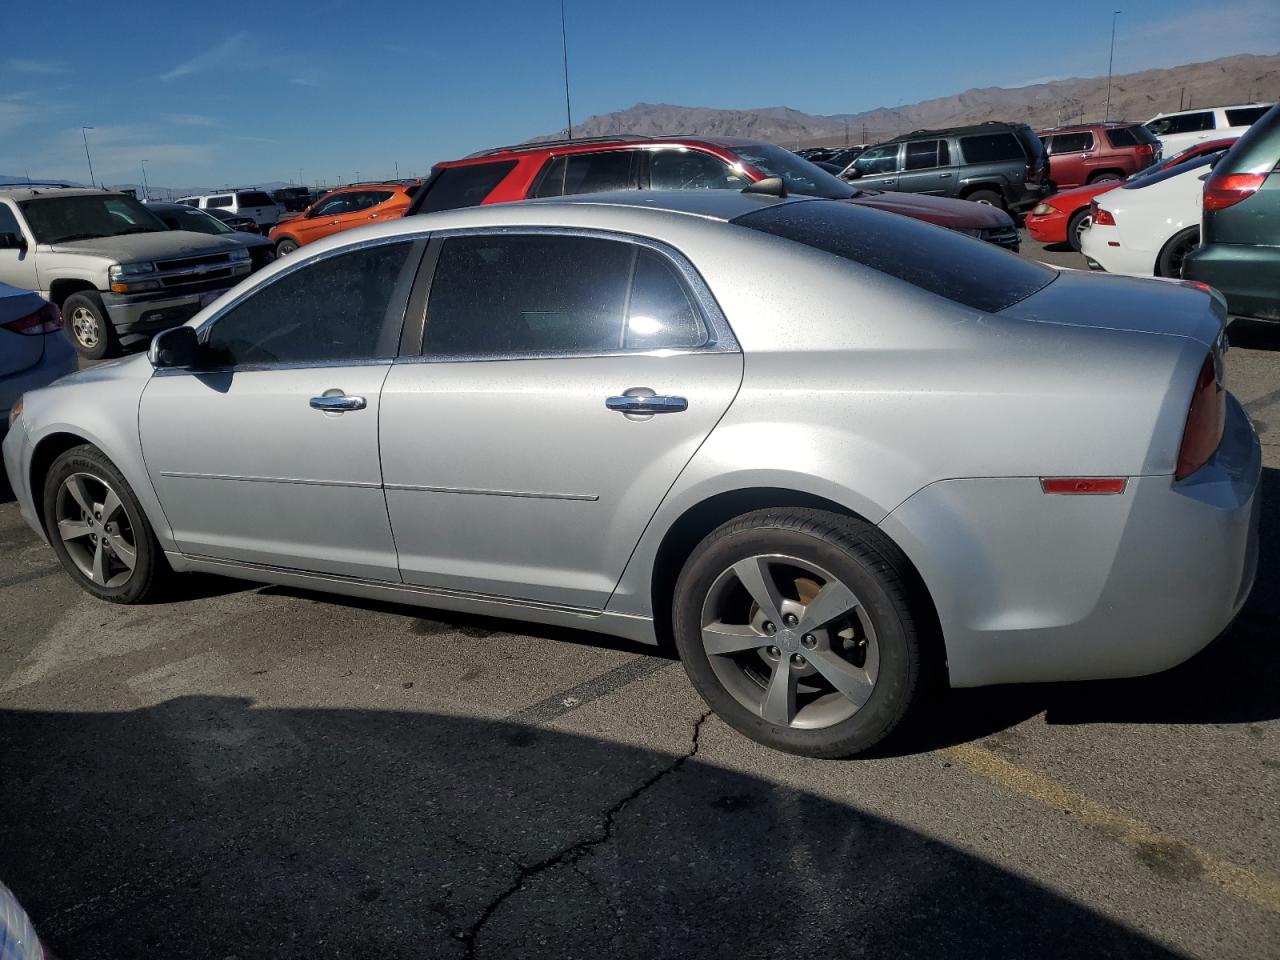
point(467, 186)
point(254, 198)
point(962, 269)
point(993, 147)
point(1161, 174)
point(1130, 136)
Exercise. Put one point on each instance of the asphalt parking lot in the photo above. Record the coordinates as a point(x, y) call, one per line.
point(261, 772)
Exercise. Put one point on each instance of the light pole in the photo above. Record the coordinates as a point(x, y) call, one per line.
point(564, 51)
point(86, 152)
point(146, 190)
point(1111, 62)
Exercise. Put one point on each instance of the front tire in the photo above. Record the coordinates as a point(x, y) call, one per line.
point(799, 629)
point(85, 320)
point(1075, 228)
point(286, 246)
point(1169, 263)
point(98, 530)
point(990, 197)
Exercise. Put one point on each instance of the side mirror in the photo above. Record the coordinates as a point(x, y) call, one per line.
point(12, 241)
point(177, 347)
point(853, 173)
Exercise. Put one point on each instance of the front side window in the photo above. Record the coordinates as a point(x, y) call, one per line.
point(1182, 123)
point(467, 186)
point(1072, 143)
point(345, 307)
point(991, 148)
point(590, 173)
point(878, 160)
point(927, 154)
point(218, 202)
point(336, 206)
point(254, 198)
point(8, 222)
point(691, 170)
point(504, 295)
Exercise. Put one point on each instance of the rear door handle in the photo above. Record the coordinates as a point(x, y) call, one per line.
point(627, 404)
point(943, 176)
point(338, 404)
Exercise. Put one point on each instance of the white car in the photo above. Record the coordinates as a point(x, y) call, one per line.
point(254, 204)
point(1186, 128)
point(1147, 226)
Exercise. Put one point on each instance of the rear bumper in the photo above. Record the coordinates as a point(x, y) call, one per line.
point(57, 360)
point(1030, 587)
point(1248, 276)
point(17, 450)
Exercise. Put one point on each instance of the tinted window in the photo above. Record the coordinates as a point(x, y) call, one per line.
point(691, 170)
point(926, 154)
point(1123, 137)
point(878, 160)
point(1182, 123)
point(799, 175)
point(454, 187)
point(346, 307)
point(1245, 116)
point(197, 221)
point(660, 314)
point(991, 148)
point(338, 205)
point(1161, 174)
point(498, 295)
point(964, 270)
point(595, 173)
point(218, 202)
point(8, 222)
point(1071, 142)
point(254, 198)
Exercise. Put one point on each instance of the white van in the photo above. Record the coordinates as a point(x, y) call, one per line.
point(1186, 128)
point(254, 204)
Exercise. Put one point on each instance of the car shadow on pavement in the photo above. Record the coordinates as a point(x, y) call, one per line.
point(203, 827)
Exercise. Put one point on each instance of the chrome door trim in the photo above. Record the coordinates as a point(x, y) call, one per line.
point(282, 365)
point(181, 475)
point(527, 494)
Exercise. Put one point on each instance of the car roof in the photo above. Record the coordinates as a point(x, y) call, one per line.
point(23, 192)
point(583, 144)
point(990, 126)
point(1073, 127)
point(1220, 106)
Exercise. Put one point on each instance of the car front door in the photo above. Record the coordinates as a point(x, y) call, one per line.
point(878, 167)
point(331, 215)
point(927, 168)
point(1072, 158)
point(267, 452)
point(564, 382)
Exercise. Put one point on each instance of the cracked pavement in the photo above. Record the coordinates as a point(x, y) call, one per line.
point(254, 771)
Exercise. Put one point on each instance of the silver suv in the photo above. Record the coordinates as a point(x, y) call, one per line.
point(118, 274)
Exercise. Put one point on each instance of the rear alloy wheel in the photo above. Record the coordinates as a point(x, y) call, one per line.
point(796, 627)
point(286, 246)
point(989, 197)
point(1169, 263)
point(98, 529)
point(84, 319)
point(1076, 226)
point(1105, 176)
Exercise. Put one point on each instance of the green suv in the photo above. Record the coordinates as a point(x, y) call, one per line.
point(1240, 233)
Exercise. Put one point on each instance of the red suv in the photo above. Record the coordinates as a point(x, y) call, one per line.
point(1093, 152)
point(600, 164)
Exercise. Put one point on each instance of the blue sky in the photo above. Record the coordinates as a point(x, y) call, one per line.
point(336, 87)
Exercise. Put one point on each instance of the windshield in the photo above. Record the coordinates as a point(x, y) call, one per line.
point(798, 174)
point(64, 219)
point(197, 221)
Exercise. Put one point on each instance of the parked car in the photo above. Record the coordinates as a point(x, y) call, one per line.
point(33, 351)
point(816, 154)
point(254, 204)
point(234, 221)
point(1095, 152)
point(1147, 228)
point(1177, 131)
point(292, 199)
point(844, 157)
point(605, 417)
point(1063, 216)
point(1239, 253)
point(340, 210)
point(114, 270)
point(1001, 164)
point(568, 167)
point(178, 216)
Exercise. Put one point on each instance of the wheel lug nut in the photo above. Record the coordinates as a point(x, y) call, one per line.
point(770, 628)
point(797, 660)
point(790, 620)
point(809, 640)
point(775, 652)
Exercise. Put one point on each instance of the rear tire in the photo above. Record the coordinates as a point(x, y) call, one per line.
point(286, 246)
point(98, 530)
point(1076, 226)
point(849, 643)
point(990, 197)
point(85, 321)
point(1103, 176)
point(1169, 263)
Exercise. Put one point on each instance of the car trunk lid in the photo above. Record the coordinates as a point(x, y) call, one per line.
point(18, 351)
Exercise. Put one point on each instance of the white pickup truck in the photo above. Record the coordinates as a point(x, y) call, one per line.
point(117, 273)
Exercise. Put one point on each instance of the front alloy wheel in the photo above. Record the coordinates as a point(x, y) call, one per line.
point(95, 530)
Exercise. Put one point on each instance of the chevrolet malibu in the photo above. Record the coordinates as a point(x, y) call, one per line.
point(831, 453)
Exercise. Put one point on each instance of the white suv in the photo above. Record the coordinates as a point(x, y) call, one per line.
point(254, 204)
point(1186, 128)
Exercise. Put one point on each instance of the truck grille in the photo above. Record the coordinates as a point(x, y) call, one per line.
point(187, 263)
point(1006, 237)
point(188, 279)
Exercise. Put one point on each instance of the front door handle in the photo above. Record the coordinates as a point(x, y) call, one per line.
point(943, 176)
point(642, 404)
point(340, 403)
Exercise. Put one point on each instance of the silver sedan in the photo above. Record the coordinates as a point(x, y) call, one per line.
point(831, 453)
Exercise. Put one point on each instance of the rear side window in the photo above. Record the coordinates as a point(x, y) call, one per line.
point(1123, 137)
point(502, 295)
point(467, 186)
point(1071, 142)
point(1245, 116)
point(254, 198)
point(581, 173)
point(1182, 123)
point(218, 202)
point(926, 154)
point(991, 148)
point(964, 270)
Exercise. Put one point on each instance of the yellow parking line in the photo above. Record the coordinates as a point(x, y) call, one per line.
point(1167, 854)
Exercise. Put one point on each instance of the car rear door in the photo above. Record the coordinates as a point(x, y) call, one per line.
point(927, 168)
point(564, 382)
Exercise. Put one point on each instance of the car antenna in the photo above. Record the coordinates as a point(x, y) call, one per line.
point(769, 186)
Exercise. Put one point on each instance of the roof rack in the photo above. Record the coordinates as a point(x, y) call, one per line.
point(44, 185)
point(541, 144)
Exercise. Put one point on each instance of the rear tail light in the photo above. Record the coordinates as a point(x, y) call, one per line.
point(1205, 421)
point(1229, 189)
point(47, 319)
point(1146, 150)
point(1103, 218)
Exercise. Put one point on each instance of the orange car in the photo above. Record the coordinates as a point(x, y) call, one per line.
point(343, 209)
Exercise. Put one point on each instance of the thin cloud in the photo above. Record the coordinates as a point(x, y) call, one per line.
point(37, 68)
point(191, 119)
point(216, 56)
point(253, 139)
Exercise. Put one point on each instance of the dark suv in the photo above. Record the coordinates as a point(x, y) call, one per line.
point(1003, 164)
point(1240, 232)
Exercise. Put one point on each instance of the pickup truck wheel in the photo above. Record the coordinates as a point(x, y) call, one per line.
point(84, 319)
point(286, 247)
point(989, 197)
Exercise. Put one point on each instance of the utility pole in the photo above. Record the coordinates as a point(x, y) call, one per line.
point(146, 190)
point(564, 52)
point(846, 133)
point(397, 163)
point(1111, 62)
point(86, 152)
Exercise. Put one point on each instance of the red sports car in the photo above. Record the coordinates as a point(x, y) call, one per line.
point(1060, 218)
